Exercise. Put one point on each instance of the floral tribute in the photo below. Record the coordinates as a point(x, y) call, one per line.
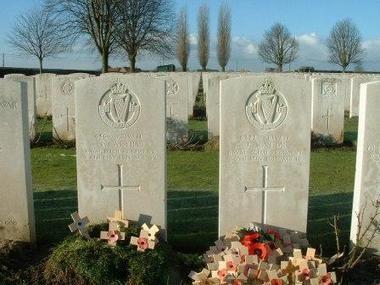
point(256, 255)
point(148, 235)
point(147, 238)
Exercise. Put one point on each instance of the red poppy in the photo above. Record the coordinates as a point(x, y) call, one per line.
point(250, 238)
point(306, 274)
point(222, 274)
point(142, 243)
point(260, 249)
point(326, 280)
point(237, 282)
point(274, 233)
point(231, 266)
point(277, 282)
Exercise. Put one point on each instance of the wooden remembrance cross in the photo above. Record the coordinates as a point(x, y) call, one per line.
point(265, 189)
point(121, 188)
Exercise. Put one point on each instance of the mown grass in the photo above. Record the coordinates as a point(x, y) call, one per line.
point(193, 193)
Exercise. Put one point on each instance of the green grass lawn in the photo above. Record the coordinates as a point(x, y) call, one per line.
point(193, 192)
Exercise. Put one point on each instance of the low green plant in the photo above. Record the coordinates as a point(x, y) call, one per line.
point(80, 261)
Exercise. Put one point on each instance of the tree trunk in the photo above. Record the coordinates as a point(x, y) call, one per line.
point(41, 64)
point(280, 67)
point(105, 57)
point(184, 68)
point(132, 63)
point(223, 68)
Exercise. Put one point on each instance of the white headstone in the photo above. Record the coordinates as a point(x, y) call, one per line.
point(16, 202)
point(264, 152)
point(177, 92)
point(355, 91)
point(212, 104)
point(31, 89)
point(196, 78)
point(44, 94)
point(328, 107)
point(121, 147)
point(63, 106)
point(367, 178)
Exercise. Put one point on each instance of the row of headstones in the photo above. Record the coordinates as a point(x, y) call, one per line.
point(332, 96)
point(121, 152)
point(53, 95)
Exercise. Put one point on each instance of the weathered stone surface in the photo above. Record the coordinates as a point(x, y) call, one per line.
point(264, 148)
point(328, 107)
point(16, 203)
point(44, 94)
point(31, 89)
point(355, 91)
point(63, 106)
point(367, 178)
point(212, 104)
point(121, 147)
point(177, 91)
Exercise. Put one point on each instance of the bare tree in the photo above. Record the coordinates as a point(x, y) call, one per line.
point(224, 35)
point(278, 46)
point(35, 33)
point(203, 36)
point(183, 42)
point(94, 19)
point(344, 44)
point(145, 25)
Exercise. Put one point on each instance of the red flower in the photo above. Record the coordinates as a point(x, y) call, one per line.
point(222, 274)
point(237, 282)
point(274, 233)
point(277, 282)
point(260, 249)
point(231, 266)
point(326, 280)
point(305, 274)
point(251, 238)
point(142, 243)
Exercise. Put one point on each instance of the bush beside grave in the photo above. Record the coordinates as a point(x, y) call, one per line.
point(80, 261)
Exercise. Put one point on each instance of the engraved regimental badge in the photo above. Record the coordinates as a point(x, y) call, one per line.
point(328, 88)
point(266, 108)
point(67, 87)
point(172, 87)
point(119, 107)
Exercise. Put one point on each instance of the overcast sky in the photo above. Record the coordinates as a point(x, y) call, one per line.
point(309, 21)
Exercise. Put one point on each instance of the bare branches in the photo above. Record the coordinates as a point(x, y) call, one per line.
point(183, 42)
point(366, 233)
point(36, 33)
point(344, 44)
point(203, 36)
point(92, 18)
point(224, 35)
point(278, 46)
point(145, 25)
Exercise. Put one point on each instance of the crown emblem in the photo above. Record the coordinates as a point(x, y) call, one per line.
point(267, 87)
point(119, 88)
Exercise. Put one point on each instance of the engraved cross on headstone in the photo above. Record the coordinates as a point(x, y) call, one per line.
point(121, 188)
point(265, 189)
point(327, 116)
point(171, 111)
point(68, 117)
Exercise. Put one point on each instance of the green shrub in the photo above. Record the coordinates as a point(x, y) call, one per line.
point(80, 261)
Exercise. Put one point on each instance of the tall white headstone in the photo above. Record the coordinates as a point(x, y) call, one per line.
point(16, 202)
point(63, 106)
point(328, 107)
point(264, 152)
point(31, 90)
point(121, 147)
point(367, 178)
point(177, 92)
point(44, 94)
